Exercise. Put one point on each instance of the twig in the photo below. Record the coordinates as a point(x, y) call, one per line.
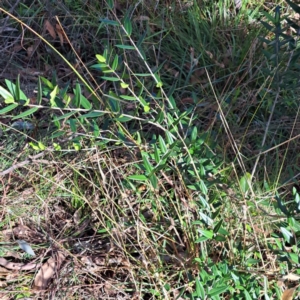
point(24, 163)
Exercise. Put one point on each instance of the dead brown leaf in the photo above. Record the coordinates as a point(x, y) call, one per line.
point(48, 26)
point(60, 33)
point(17, 266)
point(47, 271)
point(288, 294)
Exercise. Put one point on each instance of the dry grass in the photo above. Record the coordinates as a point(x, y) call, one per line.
point(96, 232)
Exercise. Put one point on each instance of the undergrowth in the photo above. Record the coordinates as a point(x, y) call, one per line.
point(159, 163)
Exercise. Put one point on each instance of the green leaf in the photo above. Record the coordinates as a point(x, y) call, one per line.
point(142, 101)
point(159, 83)
point(294, 6)
point(218, 226)
point(65, 116)
point(96, 129)
point(110, 4)
point(146, 108)
point(15, 90)
point(39, 146)
point(218, 290)
point(6, 95)
point(154, 181)
point(244, 182)
point(207, 233)
point(199, 289)
point(56, 147)
point(147, 163)
point(156, 154)
point(294, 257)
point(110, 22)
point(268, 16)
point(162, 145)
point(8, 108)
point(72, 123)
point(267, 25)
point(286, 233)
point(127, 47)
point(92, 114)
point(194, 134)
point(108, 71)
point(203, 187)
point(81, 100)
point(247, 295)
point(130, 98)
point(101, 58)
point(76, 146)
point(47, 83)
point(128, 25)
point(53, 96)
point(201, 239)
point(110, 78)
point(123, 119)
point(124, 85)
point(40, 92)
point(138, 177)
point(26, 113)
point(143, 74)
